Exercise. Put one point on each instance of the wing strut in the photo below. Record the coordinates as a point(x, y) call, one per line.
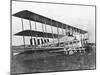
point(22, 30)
point(72, 35)
point(31, 43)
point(88, 37)
point(63, 32)
point(45, 29)
point(52, 31)
point(43, 32)
point(58, 34)
point(35, 28)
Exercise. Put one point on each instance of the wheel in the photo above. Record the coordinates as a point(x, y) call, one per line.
point(66, 52)
point(71, 52)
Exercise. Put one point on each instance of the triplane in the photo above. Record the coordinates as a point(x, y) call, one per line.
point(71, 40)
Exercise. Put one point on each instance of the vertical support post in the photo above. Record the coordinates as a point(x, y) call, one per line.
point(31, 33)
point(45, 29)
point(72, 35)
point(52, 31)
point(22, 30)
point(75, 33)
point(63, 32)
point(81, 38)
point(88, 37)
point(35, 30)
point(67, 33)
point(78, 32)
point(58, 34)
point(43, 32)
point(81, 41)
point(62, 29)
point(71, 30)
point(66, 30)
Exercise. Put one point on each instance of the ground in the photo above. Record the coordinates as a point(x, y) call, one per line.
point(37, 62)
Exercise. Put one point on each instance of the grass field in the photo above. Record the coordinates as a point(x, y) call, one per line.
point(37, 62)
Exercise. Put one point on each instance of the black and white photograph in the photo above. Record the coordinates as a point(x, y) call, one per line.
point(52, 37)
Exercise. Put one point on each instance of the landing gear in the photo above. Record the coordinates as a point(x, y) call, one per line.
point(69, 52)
point(72, 51)
point(65, 51)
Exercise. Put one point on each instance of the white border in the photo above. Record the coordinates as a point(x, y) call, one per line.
point(5, 37)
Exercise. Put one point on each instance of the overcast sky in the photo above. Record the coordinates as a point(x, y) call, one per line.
point(82, 17)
